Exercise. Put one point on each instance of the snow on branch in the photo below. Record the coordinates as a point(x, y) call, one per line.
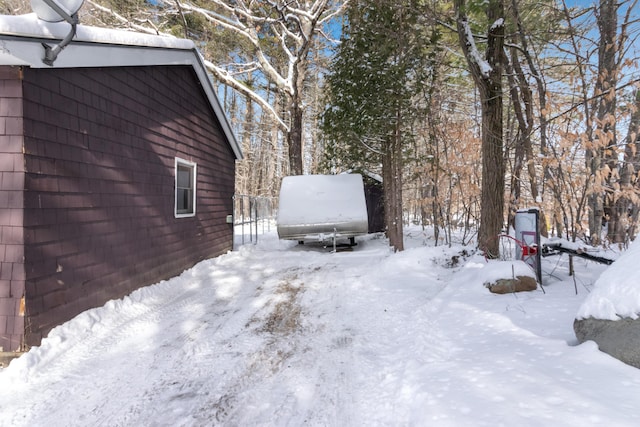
point(499, 23)
point(127, 22)
point(287, 25)
point(474, 54)
point(225, 77)
point(250, 34)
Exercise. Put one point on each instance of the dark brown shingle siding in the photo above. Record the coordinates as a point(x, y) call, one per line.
point(100, 147)
point(12, 272)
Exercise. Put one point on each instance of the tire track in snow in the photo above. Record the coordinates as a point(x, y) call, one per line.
point(285, 378)
point(276, 323)
point(167, 391)
point(219, 342)
point(142, 318)
point(94, 347)
point(295, 368)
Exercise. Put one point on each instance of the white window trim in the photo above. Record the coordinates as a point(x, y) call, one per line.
point(193, 166)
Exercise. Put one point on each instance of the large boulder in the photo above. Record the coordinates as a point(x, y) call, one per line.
point(619, 338)
point(609, 315)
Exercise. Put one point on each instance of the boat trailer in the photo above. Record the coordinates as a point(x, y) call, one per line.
point(550, 249)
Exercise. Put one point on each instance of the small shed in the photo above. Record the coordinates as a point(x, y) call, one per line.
point(117, 169)
point(374, 195)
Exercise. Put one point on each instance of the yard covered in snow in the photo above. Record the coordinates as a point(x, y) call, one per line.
point(281, 334)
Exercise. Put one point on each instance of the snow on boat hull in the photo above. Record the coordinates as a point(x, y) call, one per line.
point(321, 207)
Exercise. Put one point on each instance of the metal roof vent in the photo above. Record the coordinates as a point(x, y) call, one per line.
point(56, 11)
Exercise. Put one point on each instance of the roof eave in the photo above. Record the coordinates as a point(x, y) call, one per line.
point(21, 50)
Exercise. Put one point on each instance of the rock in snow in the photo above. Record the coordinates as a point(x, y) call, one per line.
point(518, 284)
point(609, 314)
point(618, 338)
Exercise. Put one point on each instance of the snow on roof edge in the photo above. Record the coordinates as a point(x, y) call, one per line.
point(30, 26)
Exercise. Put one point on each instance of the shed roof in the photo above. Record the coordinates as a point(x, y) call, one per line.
point(21, 39)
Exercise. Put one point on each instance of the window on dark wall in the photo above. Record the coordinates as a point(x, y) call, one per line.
point(185, 188)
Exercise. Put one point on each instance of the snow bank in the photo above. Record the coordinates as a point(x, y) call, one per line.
point(617, 292)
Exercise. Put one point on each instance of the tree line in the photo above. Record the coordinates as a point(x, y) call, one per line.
point(467, 109)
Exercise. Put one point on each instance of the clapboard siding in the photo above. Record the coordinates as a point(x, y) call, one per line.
point(100, 146)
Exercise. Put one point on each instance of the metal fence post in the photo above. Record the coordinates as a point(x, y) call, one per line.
point(248, 211)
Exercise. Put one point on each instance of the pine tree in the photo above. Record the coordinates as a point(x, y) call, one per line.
point(378, 71)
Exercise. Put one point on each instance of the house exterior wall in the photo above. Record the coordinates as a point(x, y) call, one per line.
point(100, 147)
point(12, 272)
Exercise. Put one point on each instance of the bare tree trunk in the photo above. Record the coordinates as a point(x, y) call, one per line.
point(250, 152)
point(602, 157)
point(527, 122)
point(316, 100)
point(295, 135)
point(392, 165)
point(572, 216)
point(294, 138)
point(432, 98)
point(626, 207)
point(389, 195)
point(515, 189)
point(487, 75)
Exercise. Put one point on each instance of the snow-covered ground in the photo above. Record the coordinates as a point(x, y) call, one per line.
point(286, 335)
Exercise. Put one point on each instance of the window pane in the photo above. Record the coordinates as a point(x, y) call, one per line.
point(184, 177)
point(184, 200)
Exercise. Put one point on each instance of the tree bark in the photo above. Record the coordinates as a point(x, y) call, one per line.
point(521, 136)
point(528, 100)
point(294, 138)
point(392, 185)
point(487, 75)
point(626, 207)
point(602, 157)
